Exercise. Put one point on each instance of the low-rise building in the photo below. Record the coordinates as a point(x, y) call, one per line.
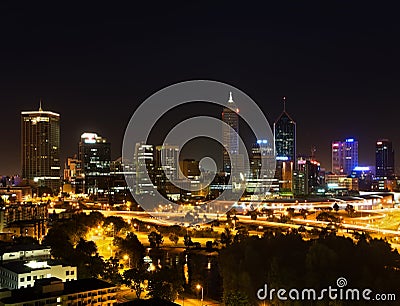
point(23, 274)
point(24, 252)
point(54, 292)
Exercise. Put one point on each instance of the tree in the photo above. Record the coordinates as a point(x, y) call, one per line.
point(87, 248)
point(111, 271)
point(165, 284)
point(335, 207)
point(136, 277)
point(349, 209)
point(236, 298)
point(304, 213)
point(132, 247)
point(155, 239)
point(209, 246)
point(290, 211)
point(226, 237)
point(59, 242)
point(174, 238)
point(326, 216)
point(241, 235)
point(253, 214)
point(118, 223)
point(187, 241)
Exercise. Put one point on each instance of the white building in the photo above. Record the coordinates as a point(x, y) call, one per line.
point(23, 274)
point(22, 252)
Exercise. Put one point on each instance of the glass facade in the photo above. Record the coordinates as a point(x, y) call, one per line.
point(230, 137)
point(384, 158)
point(40, 146)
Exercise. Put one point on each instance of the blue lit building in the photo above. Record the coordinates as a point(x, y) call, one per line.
point(285, 136)
point(344, 156)
point(364, 176)
point(285, 147)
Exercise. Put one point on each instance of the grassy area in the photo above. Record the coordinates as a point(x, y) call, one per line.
point(390, 221)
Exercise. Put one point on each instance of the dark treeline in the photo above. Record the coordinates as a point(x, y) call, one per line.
point(288, 261)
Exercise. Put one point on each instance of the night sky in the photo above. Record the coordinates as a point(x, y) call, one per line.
point(338, 65)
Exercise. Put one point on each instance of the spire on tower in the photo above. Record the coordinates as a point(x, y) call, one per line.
point(230, 97)
point(284, 103)
point(40, 106)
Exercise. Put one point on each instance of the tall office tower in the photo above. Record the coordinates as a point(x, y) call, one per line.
point(350, 155)
point(40, 147)
point(285, 144)
point(285, 136)
point(306, 179)
point(344, 156)
point(384, 158)
point(95, 156)
point(337, 157)
point(144, 163)
point(170, 155)
point(230, 137)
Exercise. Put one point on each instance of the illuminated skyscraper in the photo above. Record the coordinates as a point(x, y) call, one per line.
point(285, 145)
point(384, 157)
point(230, 137)
point(40, 147)
point(170, 155)
point(344, 156)
point(285, 136)
point(144, 167)
point(337, 157)
point(95, 156)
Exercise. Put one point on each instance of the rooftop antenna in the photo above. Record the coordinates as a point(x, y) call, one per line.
point(230, 97)
point(284, 103)
point(313, 150)
point(40, 106)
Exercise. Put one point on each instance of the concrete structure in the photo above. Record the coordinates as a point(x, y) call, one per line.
point(24, 252)
point(144, 168)
point(40, 147)
point(384, 158)
point(230, 137)
point(23, 274)
point(344, 156)
point(95, 157)
point(54, 292)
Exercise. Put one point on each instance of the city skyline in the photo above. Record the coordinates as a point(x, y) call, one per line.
point(96, 71)
point(327, 166)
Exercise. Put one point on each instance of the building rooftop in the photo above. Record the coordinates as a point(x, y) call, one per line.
point(26, 266)
point(71, 287)
point(10, 248)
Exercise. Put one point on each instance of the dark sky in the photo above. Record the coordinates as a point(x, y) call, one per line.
point(337, 64)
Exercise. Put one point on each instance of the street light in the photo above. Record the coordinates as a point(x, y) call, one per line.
point(198, 287)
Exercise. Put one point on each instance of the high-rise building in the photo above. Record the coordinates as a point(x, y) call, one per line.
point(95, 156)
point(285, 146)
point(144, 163)
point(285, 136)
point(40, 147)
point(384, 158)
point(230, 137)
point(258, 182)
point(344, 156)
point(306, 178)
point(170, 155)
point(337, 157)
